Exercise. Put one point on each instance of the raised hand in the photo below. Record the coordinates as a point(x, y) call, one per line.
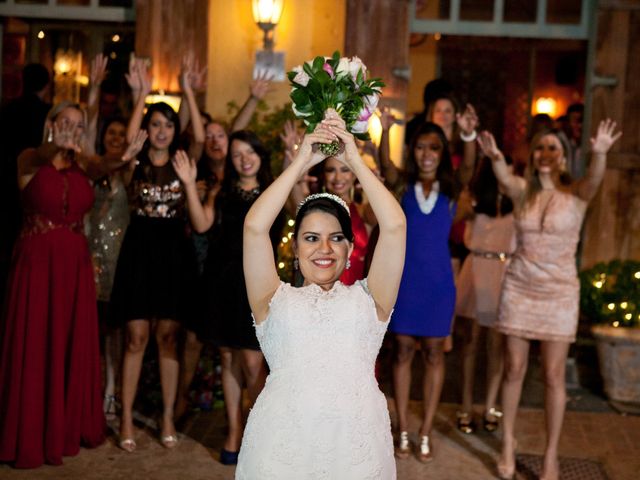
point(337, 126)
point(135, 146)
point(185, 167)
point(605, 137)
point(133, 78)
point(487, 144)
point(260, 86)
point(98, 70)
point(198, 77)
point(66, 136)
point(312, 155)
point(386, 118)
point(467, 120)
point(290, 136)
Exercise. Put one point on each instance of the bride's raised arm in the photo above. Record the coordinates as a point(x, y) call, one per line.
point(260, 272)
point(386, 268)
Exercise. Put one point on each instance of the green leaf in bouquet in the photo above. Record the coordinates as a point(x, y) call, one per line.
point(360, 77)
point(300, 97)
point(308, 69)
point(318, 62)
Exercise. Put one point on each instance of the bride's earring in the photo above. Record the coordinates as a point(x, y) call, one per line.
point(347, 265)
point(296, 264)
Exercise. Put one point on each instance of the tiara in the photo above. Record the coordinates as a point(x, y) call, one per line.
point(329, 196)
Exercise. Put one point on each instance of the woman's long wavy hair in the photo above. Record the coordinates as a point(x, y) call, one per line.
point(171, 115)
point(231, 176)
point(444, 174)
point(534, 186)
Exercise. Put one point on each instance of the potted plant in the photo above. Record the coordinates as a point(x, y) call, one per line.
point(610, 297)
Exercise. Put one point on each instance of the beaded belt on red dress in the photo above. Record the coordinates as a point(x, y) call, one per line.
point(35, 224)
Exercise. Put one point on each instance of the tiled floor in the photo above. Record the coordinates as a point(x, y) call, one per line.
point(611, 439)
point(593, 431)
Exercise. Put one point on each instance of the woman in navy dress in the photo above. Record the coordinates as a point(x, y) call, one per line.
point(426, 300)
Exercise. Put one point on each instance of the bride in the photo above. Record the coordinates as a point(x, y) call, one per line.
point(321, 414)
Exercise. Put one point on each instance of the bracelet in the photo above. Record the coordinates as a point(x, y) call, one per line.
point(468, 138)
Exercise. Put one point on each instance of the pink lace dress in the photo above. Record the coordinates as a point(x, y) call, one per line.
point(321, 414)
point(540, 293)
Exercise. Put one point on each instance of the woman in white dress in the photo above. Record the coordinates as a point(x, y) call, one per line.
point(321, 414)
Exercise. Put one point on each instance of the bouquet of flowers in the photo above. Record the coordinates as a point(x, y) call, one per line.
point(339, 83)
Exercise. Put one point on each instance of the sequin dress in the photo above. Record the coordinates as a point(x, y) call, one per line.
point(50, 392)
point(321, 414)
point(541, 292)
point(105, 229)
point(156, 272)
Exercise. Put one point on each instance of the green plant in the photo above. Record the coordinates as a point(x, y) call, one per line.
point(610, 293)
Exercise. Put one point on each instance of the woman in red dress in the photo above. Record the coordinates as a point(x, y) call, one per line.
point(50, 386)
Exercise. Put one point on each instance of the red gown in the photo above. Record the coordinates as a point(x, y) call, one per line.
point(50, 385)
point(360, 242)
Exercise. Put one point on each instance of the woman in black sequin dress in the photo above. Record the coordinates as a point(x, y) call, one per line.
point(156, 271)
point(228, 323)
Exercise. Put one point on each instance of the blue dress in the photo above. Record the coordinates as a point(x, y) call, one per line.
point(427, 296)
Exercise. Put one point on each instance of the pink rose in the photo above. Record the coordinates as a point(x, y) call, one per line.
point(327, 68)
point(365, 114)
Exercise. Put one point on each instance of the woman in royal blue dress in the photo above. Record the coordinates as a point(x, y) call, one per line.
point(428, 189)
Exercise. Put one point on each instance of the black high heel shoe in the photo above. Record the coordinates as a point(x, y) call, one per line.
point(465, 422)
point(491, 419)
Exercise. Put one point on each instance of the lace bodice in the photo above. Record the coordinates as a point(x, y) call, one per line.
point(321, 414)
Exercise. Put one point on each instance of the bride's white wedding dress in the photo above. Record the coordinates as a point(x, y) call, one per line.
point(321, 414)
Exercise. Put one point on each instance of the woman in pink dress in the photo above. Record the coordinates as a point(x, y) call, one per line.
point(50, 386)
point(541, 290)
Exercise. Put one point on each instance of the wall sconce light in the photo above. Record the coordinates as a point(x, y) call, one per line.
point(546, 105)
point(266, 13)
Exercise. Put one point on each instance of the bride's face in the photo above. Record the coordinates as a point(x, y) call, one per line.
point(322, 249)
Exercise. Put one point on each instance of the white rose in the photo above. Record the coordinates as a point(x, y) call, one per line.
point(371, 101)
point(343, 67)
point(301, 77)
point(355, 65)
point(360, 126)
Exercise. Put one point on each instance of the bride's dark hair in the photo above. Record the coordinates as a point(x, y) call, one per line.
point(326, 205)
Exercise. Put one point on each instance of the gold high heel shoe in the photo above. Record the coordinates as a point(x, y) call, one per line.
point(425, 453)
point(403, 449)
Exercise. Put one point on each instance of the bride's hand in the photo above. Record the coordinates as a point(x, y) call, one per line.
point(307, 153)
point(338, 127)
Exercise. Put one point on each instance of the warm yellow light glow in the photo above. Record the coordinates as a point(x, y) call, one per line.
point(437, 36)
point(624, 305)
point(82, 80)
point(616, 323)
point(62, 65)
point(598, 284)
point(172, 100)
point(636, 275)
point(545, 105)
point(115, 38)
point(291, 223)
point(40, 34)
point(267, 11)
point(285, 239)
point(611, 306)
point(628, 316)
point(290, 234)
point(281, 265)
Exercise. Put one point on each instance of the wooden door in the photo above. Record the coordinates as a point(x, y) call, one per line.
point(378, 32)
point(612, 229)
